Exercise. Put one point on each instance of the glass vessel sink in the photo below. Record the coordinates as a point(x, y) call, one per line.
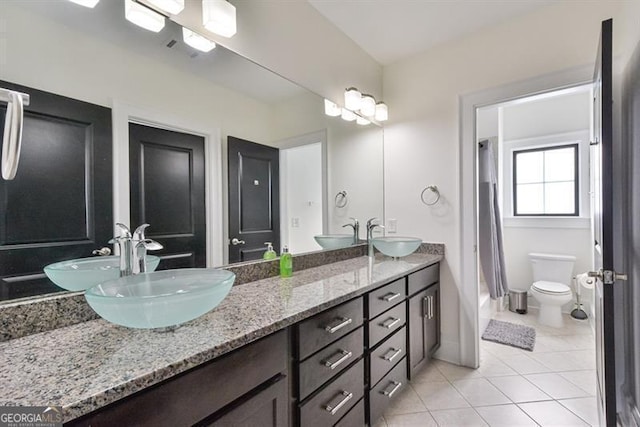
point(334, 241)
point(396, 246)
point(162, 298)
point(84, 273)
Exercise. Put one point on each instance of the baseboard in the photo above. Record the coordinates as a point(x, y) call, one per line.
point(449, 351)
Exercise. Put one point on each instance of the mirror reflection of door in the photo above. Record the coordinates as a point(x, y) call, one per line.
point(254, 199)
point(167, 190)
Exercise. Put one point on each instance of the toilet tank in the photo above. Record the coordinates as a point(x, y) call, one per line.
point(552, 268)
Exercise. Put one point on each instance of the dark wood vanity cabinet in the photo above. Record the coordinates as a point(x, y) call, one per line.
point(423, 317)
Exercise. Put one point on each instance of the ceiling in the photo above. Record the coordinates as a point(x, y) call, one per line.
point(392, 30)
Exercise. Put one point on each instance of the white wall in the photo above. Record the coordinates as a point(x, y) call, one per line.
point(421, 138)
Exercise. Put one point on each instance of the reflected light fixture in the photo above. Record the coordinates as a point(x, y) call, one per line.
point(368, 105)
point(173, 7)
point(332, 109)
point(219, 16)
point(86, 3)
point(197, 41)
point(382, 112)
point(362, 121)
point(143, 16)
point(352, 99)
point(348, 115)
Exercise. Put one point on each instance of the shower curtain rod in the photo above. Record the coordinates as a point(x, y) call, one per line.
point(4, 95)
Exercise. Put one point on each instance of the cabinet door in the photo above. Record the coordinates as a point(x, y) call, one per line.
point(268, 408)
point(417, 332)
point(432, 320)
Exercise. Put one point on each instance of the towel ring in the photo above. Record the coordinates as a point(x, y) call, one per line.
point(432, 189)
point(341, 199)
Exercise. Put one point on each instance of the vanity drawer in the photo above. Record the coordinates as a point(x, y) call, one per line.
point(385, 324)
point(385, 357)
point(355, 417)
point(328, 326)
point(335, 400)
point(330, 361)
point(388, 389)
point(386, 297)
point(423, 278)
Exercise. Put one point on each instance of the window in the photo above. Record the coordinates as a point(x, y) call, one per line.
point(545, 181)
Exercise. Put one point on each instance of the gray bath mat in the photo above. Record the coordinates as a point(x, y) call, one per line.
point(508, 333)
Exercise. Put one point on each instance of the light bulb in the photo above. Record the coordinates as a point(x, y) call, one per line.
point(352, 99)
point(382, 112)
point(219, 16)
point(368, 105)
point(362, 121)
point(173, 7)
point(331, 109)
point(348, 115)
point(143, 16)
point(196, 41)
point(86, 3)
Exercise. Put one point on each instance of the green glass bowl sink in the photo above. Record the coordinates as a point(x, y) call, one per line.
point(334, 241)
point(396, 246)
point(84, 273)
point(162, 298)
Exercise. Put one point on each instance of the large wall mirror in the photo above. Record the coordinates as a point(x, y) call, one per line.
point(209, 148)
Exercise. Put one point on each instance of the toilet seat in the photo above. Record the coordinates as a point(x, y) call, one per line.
point(551, 288)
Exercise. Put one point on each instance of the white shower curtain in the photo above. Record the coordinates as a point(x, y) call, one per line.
point(489, 226)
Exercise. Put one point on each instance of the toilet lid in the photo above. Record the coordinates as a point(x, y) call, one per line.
point(551, 288)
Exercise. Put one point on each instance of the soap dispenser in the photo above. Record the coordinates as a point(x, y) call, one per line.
point(286, 263)
point(270, 253)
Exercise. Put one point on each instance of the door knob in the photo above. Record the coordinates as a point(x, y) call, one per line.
point(607, 277)
point(235, 241)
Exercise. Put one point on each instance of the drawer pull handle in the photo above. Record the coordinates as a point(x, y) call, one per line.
point(431, 299)
point(333, 409)
point(395, 353)
point(425, 307)
point(396, 387)
point(390, 323)
point(389, 297)
point(335, 328)
point(344, 355)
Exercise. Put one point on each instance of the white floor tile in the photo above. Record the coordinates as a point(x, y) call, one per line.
point(458, 418)
point(551, 413)
point(505, 415)
point(454, 372)
point(429, 374)
point(501, 351)
point(491, 366)
point(584, 407)
point(480, 392)
point(407, 402)
point(421, 419)
point(567, 360)
point(524, 364)
point(380, 423)
point(556, 386)
point(440, 395)
point(519, 389)
point(586, 380)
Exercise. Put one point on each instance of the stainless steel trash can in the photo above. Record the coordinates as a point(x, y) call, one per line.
point(518, 302)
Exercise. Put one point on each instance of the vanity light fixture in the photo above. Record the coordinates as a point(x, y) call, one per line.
point(362, 121)
point(368, 105)
point(382, 112)
point(332, 109)
point(173, 7)
point(142, 16)
point(348, 115)
point(197, 41)
point(86, 3)
point(352, 99)
point(219, 16)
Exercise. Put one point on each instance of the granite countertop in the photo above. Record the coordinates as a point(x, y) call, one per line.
point(89, 365)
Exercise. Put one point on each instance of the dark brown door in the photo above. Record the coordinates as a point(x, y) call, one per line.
point(603, 165)
point(254, 199)
point(418, 353)
point(432, 320)
point(168, 192)
point(59, 206)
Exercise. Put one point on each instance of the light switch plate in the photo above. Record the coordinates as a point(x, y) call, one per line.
point(392, 225)
point(295, 222)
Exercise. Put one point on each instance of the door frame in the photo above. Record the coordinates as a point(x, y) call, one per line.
point(469, 313)
point(122, 115)
point(300, 141)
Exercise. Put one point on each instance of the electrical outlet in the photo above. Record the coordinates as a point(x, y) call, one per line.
point(295, 222)
point(392, 225)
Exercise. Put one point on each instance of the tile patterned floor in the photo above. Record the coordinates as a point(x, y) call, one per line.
point(555, 385)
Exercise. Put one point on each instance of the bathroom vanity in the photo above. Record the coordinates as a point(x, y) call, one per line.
point(333, 345)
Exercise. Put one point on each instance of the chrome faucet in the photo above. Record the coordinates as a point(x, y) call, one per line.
point(370, 226)
point(133, 249)
point(356, 229)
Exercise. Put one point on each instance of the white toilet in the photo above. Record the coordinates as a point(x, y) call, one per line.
point(551, 279)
